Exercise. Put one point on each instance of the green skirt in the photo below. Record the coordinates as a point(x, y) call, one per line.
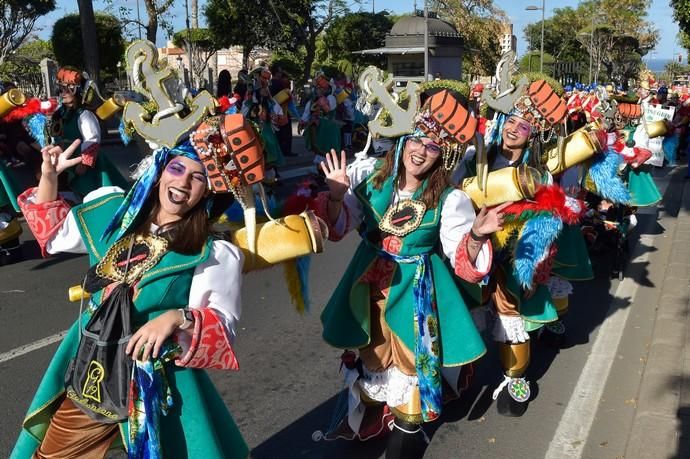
point(327, 137)
point(198, 425)
point(572, 259)
point(9, 189)
point(643, 190)
point(272, 152)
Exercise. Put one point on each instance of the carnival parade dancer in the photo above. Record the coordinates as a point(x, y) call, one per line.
point(162, 293)
point(188, 292)
point(398, 303)
point(265, 112)
point(321, 131)
point(522, 287)
point(73, 121)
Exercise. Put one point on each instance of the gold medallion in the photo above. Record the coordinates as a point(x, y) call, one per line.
point(403, 218)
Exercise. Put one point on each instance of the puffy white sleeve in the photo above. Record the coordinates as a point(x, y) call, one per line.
point(68, 238)
point(307, 112)
point(90, 129)
point(457, 217)
point(217, 284)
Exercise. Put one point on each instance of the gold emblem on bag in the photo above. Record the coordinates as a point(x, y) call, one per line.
point(403, 218)
point(92, 385)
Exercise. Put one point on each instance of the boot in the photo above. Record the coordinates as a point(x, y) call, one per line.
point(406, 441)
point(553, 334)
point(513, 399)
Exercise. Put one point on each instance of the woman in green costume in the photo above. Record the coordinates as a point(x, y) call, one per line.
point(398, 303)
point(73, 121)
point(185, 287)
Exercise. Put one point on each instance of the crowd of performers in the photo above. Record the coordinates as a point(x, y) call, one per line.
point(473, 228)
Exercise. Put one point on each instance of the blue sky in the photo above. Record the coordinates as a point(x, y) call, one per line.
point(660, 13)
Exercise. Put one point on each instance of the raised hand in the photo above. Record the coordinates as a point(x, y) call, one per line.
point(56, 160)
point(336, 175)
point(488, 222)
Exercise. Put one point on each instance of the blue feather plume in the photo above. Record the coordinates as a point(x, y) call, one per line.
point(36, 126)
point(302, 264)
point(122, 129)
point(604, 174)
point(533, 245)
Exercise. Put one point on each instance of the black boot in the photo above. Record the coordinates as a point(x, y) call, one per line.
point(513, 398)
point(553, 334)
point(406, 441)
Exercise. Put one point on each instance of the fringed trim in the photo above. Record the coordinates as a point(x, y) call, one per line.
point(210, 346)
point(464, 268)
point(45, 219)
point(320, 207)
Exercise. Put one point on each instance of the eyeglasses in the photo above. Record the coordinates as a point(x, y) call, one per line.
point(432, 149)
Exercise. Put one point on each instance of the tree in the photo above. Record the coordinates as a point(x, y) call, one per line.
point(228, 21)
point(19, 21)
point(355, 32)
point(681, 12)
point(613, 32)
point(200, 45)
point(158, 12)
point(480, 24)
point(89, 38)
point(24, 65)
point(69, 48)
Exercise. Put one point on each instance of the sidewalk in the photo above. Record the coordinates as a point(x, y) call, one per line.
point(661, 422)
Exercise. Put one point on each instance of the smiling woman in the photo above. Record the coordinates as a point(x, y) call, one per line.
point(398, 303)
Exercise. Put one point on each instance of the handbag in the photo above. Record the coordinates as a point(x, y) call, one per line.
point(97, 378)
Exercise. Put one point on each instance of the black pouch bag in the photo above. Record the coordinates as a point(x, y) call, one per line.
point(97, 379)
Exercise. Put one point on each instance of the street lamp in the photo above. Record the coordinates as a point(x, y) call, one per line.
point(543, 9)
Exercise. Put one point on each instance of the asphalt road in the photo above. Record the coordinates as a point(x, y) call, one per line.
point(288, 385)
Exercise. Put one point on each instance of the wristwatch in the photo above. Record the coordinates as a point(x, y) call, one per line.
point(187, 317)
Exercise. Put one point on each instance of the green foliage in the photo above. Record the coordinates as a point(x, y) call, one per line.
point(69, 48)
point(24, 65)
point(460, 87)
point(531, 60)
point(355, 32)
point(614, 32)
point(202, 38)
point(681, 12)
point(18, 22)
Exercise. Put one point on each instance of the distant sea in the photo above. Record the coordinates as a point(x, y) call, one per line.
point(657, 65)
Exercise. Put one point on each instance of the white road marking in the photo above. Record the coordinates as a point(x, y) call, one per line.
point(25, 349)
point(573, 430)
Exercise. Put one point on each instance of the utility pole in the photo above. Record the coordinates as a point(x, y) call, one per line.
point(426, 41)
point(190, 46)
point(138, 20)
point(591, 50)
point(541, 60)
point(195, 14)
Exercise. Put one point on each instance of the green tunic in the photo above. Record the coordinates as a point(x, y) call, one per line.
point(572, 259)
point(327, 135)
point(199, 424)
point(346, 318)
point(104, 172)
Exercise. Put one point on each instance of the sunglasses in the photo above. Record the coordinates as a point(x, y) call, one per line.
point(68, 88)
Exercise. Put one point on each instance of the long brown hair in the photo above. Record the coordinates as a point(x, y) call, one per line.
point(186, 235)
point(437, 178)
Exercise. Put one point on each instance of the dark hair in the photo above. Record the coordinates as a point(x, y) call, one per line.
point(186, 235)
point(224, 86)
point(437, 178)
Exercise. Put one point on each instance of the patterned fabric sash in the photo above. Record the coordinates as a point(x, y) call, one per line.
point(427, 345)
point(149, 397)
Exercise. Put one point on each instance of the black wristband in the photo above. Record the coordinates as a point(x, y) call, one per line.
point(477, 238)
